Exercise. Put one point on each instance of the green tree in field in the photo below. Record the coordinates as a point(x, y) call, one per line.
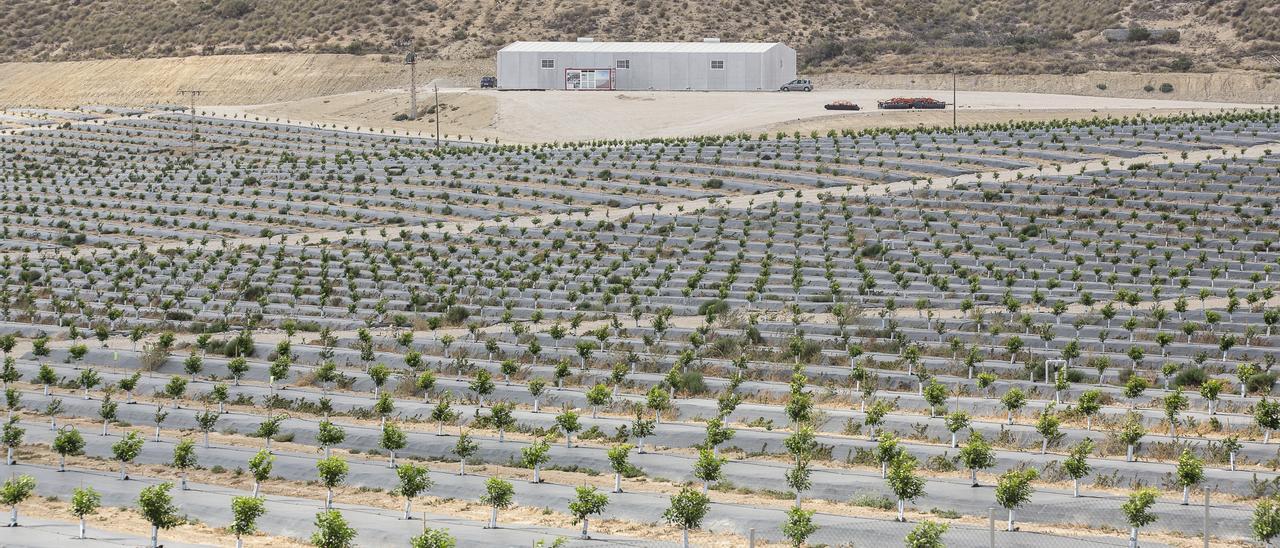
point(127, 449)
point(260, 465)
point(464, 449)
point(1013, 400)
point(156, 505)
point(618, 460)
point(928, 534)
point(568, 423)
point(332, 531)
point(329, 435)
point(1014, 489)
point(536, 455)
point(502, 417)
point(245, 512)
point(414, 480)
point(1137, 511)
point(11, 436)
point(393, 439)
point(1190, 472)
point(976, 455)
point(1266, 519)
point(687, 510)
point(68, 441)
point(15, 490)
point(499, 494)
point(84, 501)
point(799, 525)
point(184, 459)
point(589, 502)
point(332, 472)
point(433, 538)
point(904, 482)
point(1077, 463)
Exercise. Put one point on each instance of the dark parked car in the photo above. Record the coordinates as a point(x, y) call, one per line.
point(488, 82)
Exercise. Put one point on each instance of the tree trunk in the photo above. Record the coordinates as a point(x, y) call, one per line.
point(1128, 456)
point(328, 498)
point(953, 440)
point(255, 488)
point(123, 476)
point(617, 482)
point(182, 483)
point(493, 517)
point(973, 477)
point(537, 473)
point(155, 537)
point(1186, 495)
point(62, 463)
point(391, 462)
point(1233, 461)
point(1010, 519)
point(884, 470)
point(81, 528)
point(585, 536)
point(408, 506)
point(902, 509)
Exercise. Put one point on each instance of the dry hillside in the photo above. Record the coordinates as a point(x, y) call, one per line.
point(1002, 36)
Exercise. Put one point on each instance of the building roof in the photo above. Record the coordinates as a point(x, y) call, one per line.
point(641, 47)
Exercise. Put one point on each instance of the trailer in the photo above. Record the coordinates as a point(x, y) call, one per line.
point(905, 103)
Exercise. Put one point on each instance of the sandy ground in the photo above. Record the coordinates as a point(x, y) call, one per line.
point(547, 116)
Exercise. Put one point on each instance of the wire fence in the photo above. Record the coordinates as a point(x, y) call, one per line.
point(1085, 522)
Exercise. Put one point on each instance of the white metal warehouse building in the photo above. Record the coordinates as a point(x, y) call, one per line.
point(590, 65)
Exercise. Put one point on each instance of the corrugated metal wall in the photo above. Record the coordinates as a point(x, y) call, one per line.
point(653, 70)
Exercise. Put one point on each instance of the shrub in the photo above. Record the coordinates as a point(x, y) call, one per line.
point(1102, 86)
point(1166, 88)
point(1148, 88)
point(1190, 378)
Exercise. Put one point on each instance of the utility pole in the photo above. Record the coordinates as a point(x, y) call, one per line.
point(953, 101)
point(412, 60)
point(192, 93)
point(436, 87)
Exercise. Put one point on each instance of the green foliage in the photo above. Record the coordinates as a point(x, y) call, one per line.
point(498, 493)
point(156, 506)
point(332, 531)
point(1137, 510)
point(16, 489)
point(245, 512)
point(85, 501)
point(589, 501)
point(688, 508)
point(434, 538)
point(927, 534)
point(799, 525)
point(1014, 487)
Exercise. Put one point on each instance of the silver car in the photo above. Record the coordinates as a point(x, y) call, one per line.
point(798, 85)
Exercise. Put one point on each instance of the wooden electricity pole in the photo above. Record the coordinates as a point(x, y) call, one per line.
point(192, 93)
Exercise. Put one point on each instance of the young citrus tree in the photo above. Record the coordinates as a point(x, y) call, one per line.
point(499, 495)
point(414, 480)
point(688, 508)
point(589, 502)
point(84, 501)
point(156, 506)
point(245, 512)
